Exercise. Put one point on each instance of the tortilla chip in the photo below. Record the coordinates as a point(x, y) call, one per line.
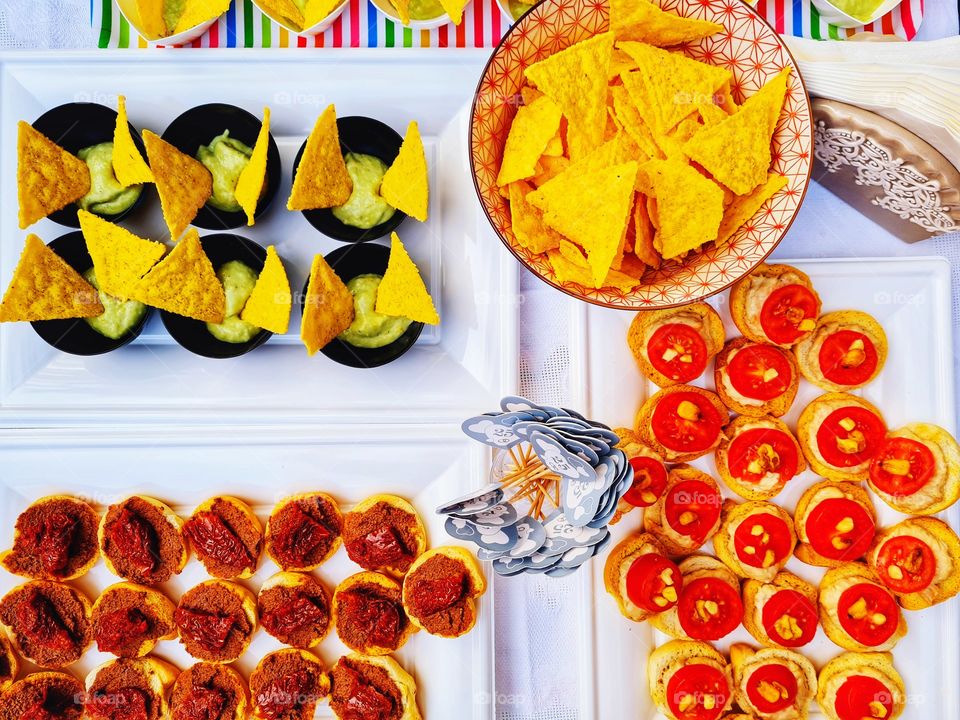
point(315, 11)
point(726, 100)
point(253, 177)
point(633, 123)
point(772, 95)
point(643, 21)
point(686, 128)
point(185, 283)
point(554, 147)
point(151, 18)
point(454, 8)
point(576, 80)
point(711, 114)
point(120, 258)
point(403, 10)
point(530, 94)
point(744, 207)
point(527, 221)
point(549, 167)
point(287, 11)
point(633, 266)
point(620, 62)
point(643, 234)
point(567, 272)
point(48, 177)
point(129, 167)
point(45, 287)
point(532, 129)
point(196, 12)
point(321, 179)
point(268, 306)
point(406, 184)
point(328, 308)
point(183, 183)
point(402, 292)
point(689, 207)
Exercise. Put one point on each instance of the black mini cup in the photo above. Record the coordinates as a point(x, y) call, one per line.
point(349, 262)
point(78, 125)
point(199, 126)
point(75, 336)
point(365, 136)
point(193, 334)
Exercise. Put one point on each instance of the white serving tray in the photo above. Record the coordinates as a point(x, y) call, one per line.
point(911, 299)
point(427, 465)
point(465, 363)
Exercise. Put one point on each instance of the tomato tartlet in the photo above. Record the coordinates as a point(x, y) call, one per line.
point(142, 540)
point(835, 523)
point(781, 613)
point(128, 620)
point(9, 665)
point(846, 351)
point(227, 537)
point(755, 539)
point(682, 422)
point(48, 622)
point(772, 683)
point(687, 514)
point(47, 695)
point(216, 620)
point(209, 691)
point(775, 304)
point(129, 689)
point(287, 685)
point(675, 345)
point(372, 687)
point(756, 379)
point(295, 609)
point(690, 680)
point(840, 434)
point(304, 531)
point(709, 605)
point(649, 474)
point(857, 612)
point(369, 615)
point(384, 533)
point(758, 457)
point(641, 578)
point(440, 589)
point(857, 685)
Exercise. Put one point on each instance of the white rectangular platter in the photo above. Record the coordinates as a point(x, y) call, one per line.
point(466, 362)
point(427, 465)
point(911, 299)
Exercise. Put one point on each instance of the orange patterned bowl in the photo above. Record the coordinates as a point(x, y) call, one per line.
point(749, 48)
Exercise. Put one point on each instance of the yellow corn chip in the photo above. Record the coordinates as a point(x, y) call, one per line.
point(185, 283)
point(689, 207)
point(120, 258)
point(726, 101)
point(328, 309)
point(403, 10)
point(183, 184)
point(128, 164)
point(532, 129)
point(744, 207)
point(402, 292)
point(199, 11)
point(554, 148)
point(620, 62)
point(686, 128)
point(454, 8)
point(642, 20)
point(406, 184)
point(570, 272)
point(254, 175)
point(48, 177)
point(322, 180)
point(151, 18)
point(286, 11)
point(772, 96)
point(269, 304)
point(530, 94)
point(316, 10)
point(527, 221)
point(574, 254)
point(711, 114)
point(548, 168)
point(643, 234)
point(633, 123)
point(45, 287)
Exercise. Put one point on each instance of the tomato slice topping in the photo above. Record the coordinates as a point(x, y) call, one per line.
point(649, 481)
point(709, 609)
point(848, 357)
point(692, 508)
point(789, 313)
point(902, 466)
point(906, 564)
point(868, 613)
point(697, 692)
point(789, 618)
point(862, 696)
point(761, 372)
point(772, 688)
point(653, 583)
point(840, 529)
point(755, 452)
point(678, 351)
point(686, 421)
point(850, 436)
point(762, 540)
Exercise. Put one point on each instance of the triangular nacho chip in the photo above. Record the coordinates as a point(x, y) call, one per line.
point(269, 304)
point(199, 11)
point(454, 8)
point(183, 184)
point(548, 168)
point(285, 11)
point(403, 10)
point(711, 114)
point(254, 175)
point(316, 10)
point(689, 207)
point(772, 95)
point(643, 233)
point(322, 180)
point(567, 271)
point(743, 207)
point(532, 129)
point(185, 283)
point(632, 122)
point(527, 221)
point(328, 308)
point(643, 21)
point(128, 164)
point(406, 184)
point(402, 292)
point(151, 18)
point(48, 177)
point(120, 258)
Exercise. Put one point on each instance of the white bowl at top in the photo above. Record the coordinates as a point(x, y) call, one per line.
point(835, 16)
point(390, 11)
point(128, 8)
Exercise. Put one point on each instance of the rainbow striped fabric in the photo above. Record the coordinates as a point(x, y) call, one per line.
point(362, 25)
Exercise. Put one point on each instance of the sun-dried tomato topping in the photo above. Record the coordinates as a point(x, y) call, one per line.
point(135, 540)
point(299, 613)
point(283, 694)
point(38, 620)
point(366, 702)
point(298, 535)
point(120, 627)
point(433, 595)
point(379, 616)
point(52, 538)
point(124, 704)
point(214, 539)
point(201, 703)
point(379, 548)
point(210, 631)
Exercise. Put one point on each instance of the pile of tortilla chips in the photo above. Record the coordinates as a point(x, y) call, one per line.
point(626, 153)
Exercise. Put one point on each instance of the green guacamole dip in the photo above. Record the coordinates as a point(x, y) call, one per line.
point(172, 10)
point(225, 158)
point(425, 9)
point(238, 281)
point(106, 196)
point(860, 9)
point(119, 317)
point(370, 329)
point(365, 208)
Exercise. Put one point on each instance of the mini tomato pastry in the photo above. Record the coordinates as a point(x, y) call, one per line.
point(758, 457)
point(709, 605)
point(439, 591)
point(689, 680)
point(641, 578)
point(287, 685)
point(756, 379)
point(55, 538)
point(46, 695)
point(129, 619)
point(209, 691)
point(781, 613)
point(854, 686)
point(682, 422)
point(49, 623)
point(840, 434)
point(687, 514)
point(755, 539)
point(772, 683)
point(917, 470)
point(775, 304)
point(835, 523)
point(384, 533)
point(142, 541)
point(227, 537)
point(304, 531)
point(846, 351)
point(295, 609)
point(857, 612)
point(129, 689)
point(918, 559)
point(649, 474)
point(369, 615)
point(372, 688)
point(675, 345)
point(216, 620)
point(9, 665)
